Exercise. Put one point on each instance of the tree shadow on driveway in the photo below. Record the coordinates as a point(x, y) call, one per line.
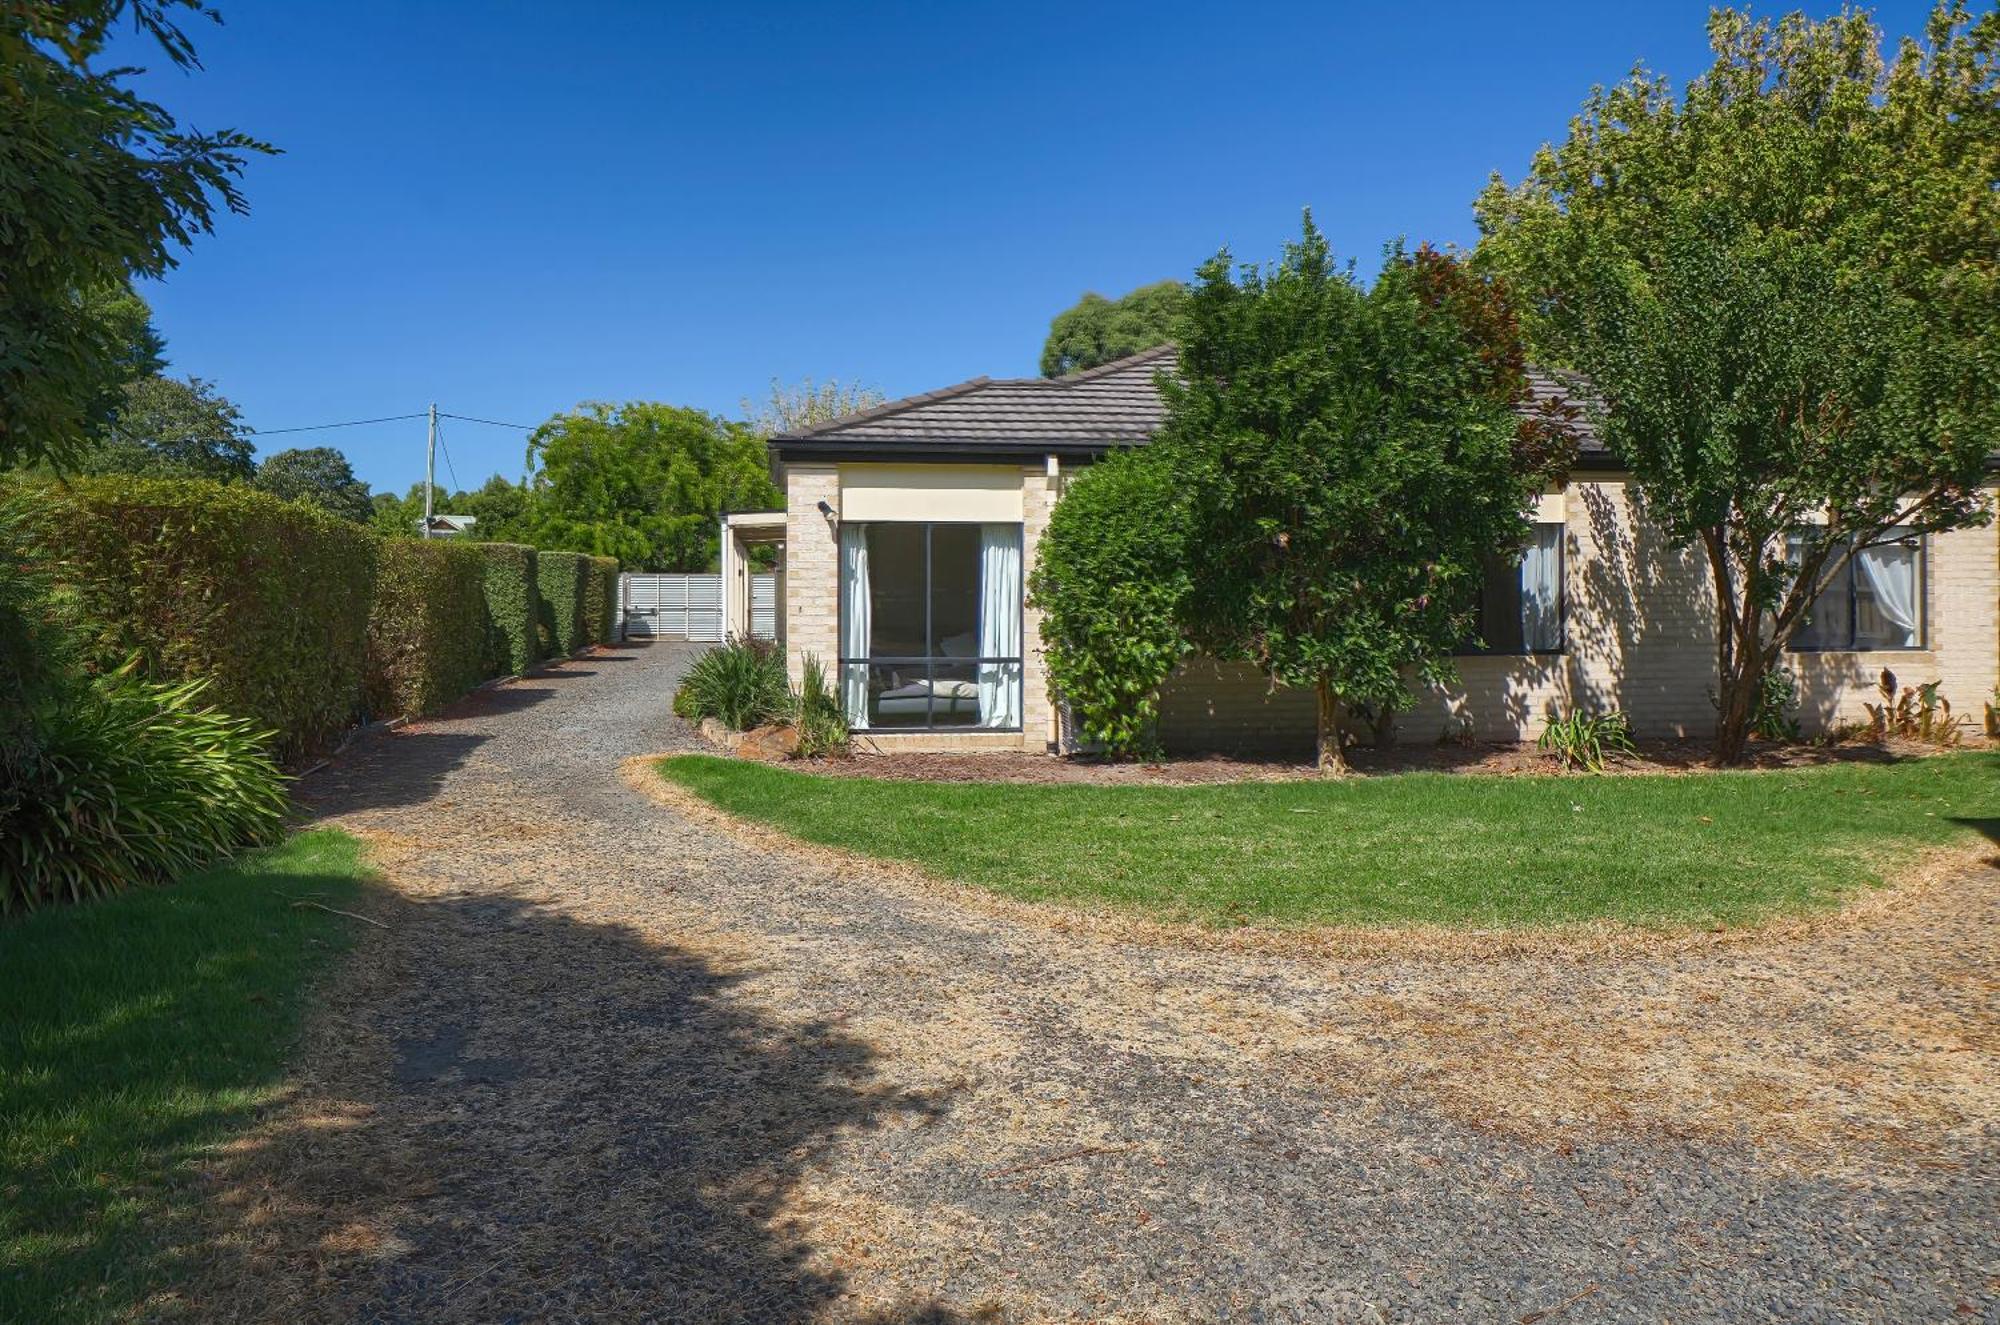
point(509, 1114)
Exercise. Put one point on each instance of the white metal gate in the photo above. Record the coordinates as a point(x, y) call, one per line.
point(764, 606)
point(679, 606)
point(689, 607)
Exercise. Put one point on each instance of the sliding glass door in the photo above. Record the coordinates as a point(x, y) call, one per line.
point(930, 625)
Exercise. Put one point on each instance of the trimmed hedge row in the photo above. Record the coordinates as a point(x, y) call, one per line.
point(600, 600)
point(300, 621)
point(510, 608)
point(559, 578)
point(428, 639)
point(267, 598)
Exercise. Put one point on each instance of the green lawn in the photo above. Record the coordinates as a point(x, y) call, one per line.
point(1417, 848)
point(134, 1032)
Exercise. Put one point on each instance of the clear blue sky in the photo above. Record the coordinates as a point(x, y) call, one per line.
point(511, 207)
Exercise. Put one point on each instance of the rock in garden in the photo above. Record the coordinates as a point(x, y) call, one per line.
point(771, 741)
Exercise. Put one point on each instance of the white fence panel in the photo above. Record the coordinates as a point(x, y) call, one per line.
point(764, 606)
point(673, 606)
point(689, 607)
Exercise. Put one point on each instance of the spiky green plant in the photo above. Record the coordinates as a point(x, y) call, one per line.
point(742, 682)
point(134, 782)
point(1586, 740)
point(817, 713)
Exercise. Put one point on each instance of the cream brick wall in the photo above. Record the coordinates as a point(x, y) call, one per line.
point(812, 568)
point(1639, 625)
point(812, 604)
point(1961, 629)
point(1641, 638)
point(1039, 492)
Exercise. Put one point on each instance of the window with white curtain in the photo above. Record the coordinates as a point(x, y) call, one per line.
point(1874, 602)
point(1521, 603)
point(930, 625)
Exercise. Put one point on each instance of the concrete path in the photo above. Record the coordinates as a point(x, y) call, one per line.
point(612, 1060)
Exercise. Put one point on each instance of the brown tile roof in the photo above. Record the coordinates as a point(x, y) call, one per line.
point(1114, 404)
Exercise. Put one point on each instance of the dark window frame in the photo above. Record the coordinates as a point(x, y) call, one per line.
point(930, 664)
point(1920, 640)
point(1470, 650)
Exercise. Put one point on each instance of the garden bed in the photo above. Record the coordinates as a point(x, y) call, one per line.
point(1508, 759)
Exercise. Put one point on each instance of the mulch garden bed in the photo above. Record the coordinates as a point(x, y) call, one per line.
point(1511, 759)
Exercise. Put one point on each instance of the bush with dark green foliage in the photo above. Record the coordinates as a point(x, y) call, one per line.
point(111, 782)
point(510, 607)
point(133, 782)
point(741, 682)
point(267, 599)
point(559, 580)
point(600, 600)
point(37, 654)
point(427, 634)
point(1109, 581)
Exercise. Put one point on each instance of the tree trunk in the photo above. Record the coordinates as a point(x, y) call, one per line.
point(1332, 753)
point(1738, 653)
point(1736, 702)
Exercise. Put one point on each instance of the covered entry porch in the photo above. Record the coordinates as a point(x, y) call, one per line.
point(742, 533)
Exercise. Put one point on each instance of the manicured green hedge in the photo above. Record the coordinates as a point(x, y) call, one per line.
point(600, 600)
point(427, 640)
point(1110, 582)
point(268, 598)
point(510, 608)
point(559, 579)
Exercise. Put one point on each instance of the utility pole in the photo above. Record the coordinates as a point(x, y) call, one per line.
point(430, 466)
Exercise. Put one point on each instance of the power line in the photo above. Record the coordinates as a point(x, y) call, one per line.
point(491, 423)
point(352, 423)
point(449, 468)
point(392, 418)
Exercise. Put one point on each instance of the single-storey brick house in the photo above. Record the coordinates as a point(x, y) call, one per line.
point(909, 529)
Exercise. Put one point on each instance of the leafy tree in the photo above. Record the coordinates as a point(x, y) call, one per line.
point(1782, 287)
point(503, 508)
point(1111, 581)
point(643, 482)
point(1097, 330)
point(172, 429)
point(317, 476)
point(100, 186)
point(139, 349)
point(791, 409)
point(1350, 458)
point(500, 505)
point(397, 517)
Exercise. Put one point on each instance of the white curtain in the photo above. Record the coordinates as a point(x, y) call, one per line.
point(1541, 590)
point(857, 621)
point(999, 624)
point(1890, 572)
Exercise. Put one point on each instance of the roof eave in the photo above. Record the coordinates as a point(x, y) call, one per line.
point(960, 450)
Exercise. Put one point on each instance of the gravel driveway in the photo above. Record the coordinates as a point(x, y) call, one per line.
point(612, 1060)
